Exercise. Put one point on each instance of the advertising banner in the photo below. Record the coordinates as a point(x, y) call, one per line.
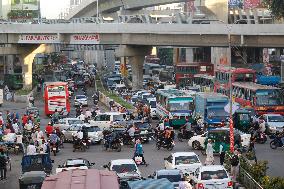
point(250, 4)
point(235, 3)
point(85, 39)
point(39, 39)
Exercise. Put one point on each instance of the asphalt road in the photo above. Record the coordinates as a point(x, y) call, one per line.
point(154, 157)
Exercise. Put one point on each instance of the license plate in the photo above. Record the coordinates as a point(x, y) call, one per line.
point(53, 149)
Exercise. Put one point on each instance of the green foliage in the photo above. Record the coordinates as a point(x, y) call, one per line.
point(273, 183)
point(276, 7)
point(22, 14)
point(166, 56)
point(23, 92)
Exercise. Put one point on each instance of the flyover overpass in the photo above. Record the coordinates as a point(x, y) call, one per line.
point(88, 7)
point(191, 35)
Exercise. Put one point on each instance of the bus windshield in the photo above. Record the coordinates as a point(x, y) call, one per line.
point(217, 113)
point(269, 97)
point(180, 106)
point(249, 77)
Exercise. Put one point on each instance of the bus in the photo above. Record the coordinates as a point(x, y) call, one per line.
point(176, 105)
point(204, 82)
point(222, 85)
point(56, 96)
point(185, 72)
point(262, 98)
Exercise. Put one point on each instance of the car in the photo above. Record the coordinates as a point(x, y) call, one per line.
point(173, 175)
point(144, 130)
point(187, 162)
point(274, 122)
point(198, 142)
point(65, 123)
point(94, 133)
point(106, 119)
point(81, 100)
point(124, 168)
point(77, 163)
point(153, 107)
point(212, 176)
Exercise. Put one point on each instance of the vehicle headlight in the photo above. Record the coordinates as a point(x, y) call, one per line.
point(272, 128)
point(146, 131)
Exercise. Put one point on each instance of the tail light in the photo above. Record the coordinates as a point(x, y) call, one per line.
point(230, 184)
point(200, 186)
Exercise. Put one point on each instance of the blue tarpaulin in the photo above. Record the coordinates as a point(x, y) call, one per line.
point(151, 184)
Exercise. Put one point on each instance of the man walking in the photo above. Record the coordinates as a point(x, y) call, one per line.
point(3, 165)
point(234, 165)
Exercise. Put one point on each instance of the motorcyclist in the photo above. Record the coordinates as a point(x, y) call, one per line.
point(78, 111)
point(85, 133)
point(95, 98)
point(54, 139)
point(186, 128)
point(281, 135)
point(55, 116)
point(31, 100)
point(48, 129)
point(108, 137)
point(167, 136)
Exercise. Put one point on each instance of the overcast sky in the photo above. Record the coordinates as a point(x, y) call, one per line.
point(52, 8)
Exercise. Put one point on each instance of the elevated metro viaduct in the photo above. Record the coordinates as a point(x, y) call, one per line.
point(136, 40)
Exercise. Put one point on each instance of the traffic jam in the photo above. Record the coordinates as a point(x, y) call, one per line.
point(191, 118)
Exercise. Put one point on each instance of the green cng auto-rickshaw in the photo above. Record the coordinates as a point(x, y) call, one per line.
point(242, 120)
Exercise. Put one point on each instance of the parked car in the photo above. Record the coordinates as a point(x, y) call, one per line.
point(173, 175)
point(81, 100)
point(125, 168)
point(77, 163)
point(199, 142)
point(187, 162)
point(274, 122)
point(65, 123)
point(212, 176)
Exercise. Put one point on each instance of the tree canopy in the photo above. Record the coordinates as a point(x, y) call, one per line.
point(276, 7)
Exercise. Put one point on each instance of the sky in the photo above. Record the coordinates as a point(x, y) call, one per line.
point(51, 9)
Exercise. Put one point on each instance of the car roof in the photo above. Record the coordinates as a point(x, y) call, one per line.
point(168, 172)
point(111, 113)
point(122, 161)
point(177, 154)
point(212, 168)
point(272, 115)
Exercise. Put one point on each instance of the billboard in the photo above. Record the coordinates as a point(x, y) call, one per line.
point(24, 4)
point(235, 3)
point(250, 4)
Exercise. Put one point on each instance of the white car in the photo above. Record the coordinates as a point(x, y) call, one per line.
point(212, 177)
point(81, 100)
point(124, 168)
point(274, 122)
point(197, 142)
point(65, 123)
point(153, 107)
point(105, 120)
point(187, 162)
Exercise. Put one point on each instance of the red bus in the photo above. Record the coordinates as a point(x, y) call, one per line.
point(56, 96)
point(221, 84)
point(204, 82)
point(264, 99)
point(185, 72)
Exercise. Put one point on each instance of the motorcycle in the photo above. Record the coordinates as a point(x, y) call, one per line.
point(128, 140)
point(53, 148)
point(79, 145)
point(261, 138)
point(162, 144)
point(276, 142)
point(184, 134)
point(88, 142)
point(116, 144)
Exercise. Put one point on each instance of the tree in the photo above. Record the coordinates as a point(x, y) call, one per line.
point(276, 7)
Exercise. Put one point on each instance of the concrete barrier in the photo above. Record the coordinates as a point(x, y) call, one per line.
point(24, 98)
point(105, 100)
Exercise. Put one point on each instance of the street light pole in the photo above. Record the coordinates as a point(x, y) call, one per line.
point(97, 9)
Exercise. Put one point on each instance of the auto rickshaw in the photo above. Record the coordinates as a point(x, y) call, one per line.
point(35, 168)
point(242, 120)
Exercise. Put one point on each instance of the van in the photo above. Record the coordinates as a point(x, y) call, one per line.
point(106, 119)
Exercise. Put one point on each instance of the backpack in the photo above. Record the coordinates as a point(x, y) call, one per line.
point(235, 160)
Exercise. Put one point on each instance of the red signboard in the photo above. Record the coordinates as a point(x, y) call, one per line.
point(250, 4)
point(85, 39)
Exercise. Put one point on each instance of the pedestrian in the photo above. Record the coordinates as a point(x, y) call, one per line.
point(209, 152)
point(184, 184)
point(234, 165)
point(3, 165)
point(222, 151)
point(139, 152)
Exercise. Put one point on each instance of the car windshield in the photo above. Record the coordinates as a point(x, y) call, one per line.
point(276, 119)
point(180, 106)
point(80, 97)
point(93, 129)
point(186, 160)
point(153, 104)
point(124, 168)
point(72, 122)
point(142, 125)
point(218, 174)
point(118, 117)
point(244, 117)
point(171, 178)
point(75, 163)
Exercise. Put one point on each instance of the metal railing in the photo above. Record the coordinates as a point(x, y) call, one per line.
point(247, 180)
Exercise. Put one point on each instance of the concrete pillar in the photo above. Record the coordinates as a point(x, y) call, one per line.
point(9, 64)
point(176, 56)
point(136, 56)
point(136, 63)
point(189, 55)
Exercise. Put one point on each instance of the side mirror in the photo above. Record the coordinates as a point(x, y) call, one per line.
point(105, 166)
point(52, 161)
point(59, 166)
point(93, 164)
point(166, 159)
point(150, 176)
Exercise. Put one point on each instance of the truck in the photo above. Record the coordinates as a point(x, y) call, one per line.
point(210, 106)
